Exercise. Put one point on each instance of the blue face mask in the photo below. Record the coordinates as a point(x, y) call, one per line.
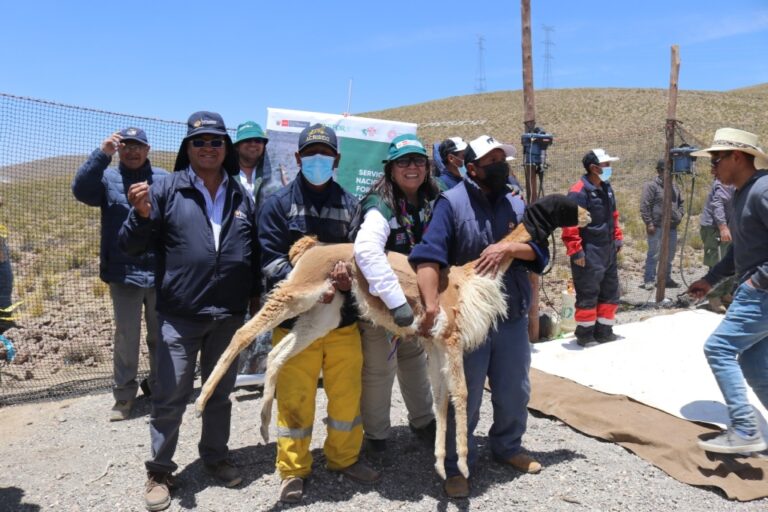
point(317, 169)
point(463, 171)
point(606, 175)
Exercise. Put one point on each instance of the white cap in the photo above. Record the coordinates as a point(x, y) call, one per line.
point(483, 145)
point(603, 157)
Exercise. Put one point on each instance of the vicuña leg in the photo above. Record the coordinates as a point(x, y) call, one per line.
point(457, 389)
point(436, 367)
point(283, 303)
point(314, 324)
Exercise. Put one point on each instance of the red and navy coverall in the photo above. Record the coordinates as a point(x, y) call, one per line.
point(597, 282)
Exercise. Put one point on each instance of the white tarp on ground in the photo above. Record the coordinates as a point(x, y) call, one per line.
point(658, 362)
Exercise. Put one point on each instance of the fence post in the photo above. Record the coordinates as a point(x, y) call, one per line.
point(529, 122)
point(661, 273)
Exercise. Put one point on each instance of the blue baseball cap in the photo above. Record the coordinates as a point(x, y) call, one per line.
point(318, 134)
point(136, 134)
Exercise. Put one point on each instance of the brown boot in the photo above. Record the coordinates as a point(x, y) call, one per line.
point(456, 487)
point(521, 462)
point(361, 473)
point(291, 489)
point(156, 493)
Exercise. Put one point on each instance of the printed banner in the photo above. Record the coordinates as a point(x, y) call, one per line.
point(363, 145)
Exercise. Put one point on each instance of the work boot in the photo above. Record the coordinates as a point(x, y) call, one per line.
point(291, 489)
point(361, 473)
point(521, 462)
point(425, 434)
point(121, 410)
point(456, 487)
point(585, 336)
point(375, 449)
point(225, 472)
point(157, 495)
point(604, 333)
point(731, 441)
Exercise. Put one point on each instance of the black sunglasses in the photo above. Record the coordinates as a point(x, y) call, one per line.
point(417, 160)
point(716, 161)
point(200, 143)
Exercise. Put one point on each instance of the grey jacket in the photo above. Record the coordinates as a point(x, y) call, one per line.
point(747, 256)
point(717, 208)
point(652, 203)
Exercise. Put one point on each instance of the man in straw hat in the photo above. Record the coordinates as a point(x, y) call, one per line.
point(738, 348)
point(203, 228)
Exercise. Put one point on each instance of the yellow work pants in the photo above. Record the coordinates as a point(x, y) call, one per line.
point(339, 355)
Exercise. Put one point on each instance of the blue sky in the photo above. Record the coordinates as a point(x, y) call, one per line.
point(167, 59)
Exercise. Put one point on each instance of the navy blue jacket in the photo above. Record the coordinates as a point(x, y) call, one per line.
point(96, 184)
point(604, 230)
point(288, 215)
point(193, 279)
point(464, 223)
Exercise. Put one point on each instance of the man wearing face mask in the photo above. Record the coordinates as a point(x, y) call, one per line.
point(593, 251)
point(467, 223)
point(314, 204)
point(451, 153)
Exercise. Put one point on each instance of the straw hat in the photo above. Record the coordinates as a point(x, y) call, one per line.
point(731, 139)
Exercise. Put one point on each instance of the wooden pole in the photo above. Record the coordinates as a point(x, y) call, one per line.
point(529, 122)
point(661, 274)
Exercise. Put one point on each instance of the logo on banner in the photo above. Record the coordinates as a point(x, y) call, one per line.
point(370, 131)
point(290, 123)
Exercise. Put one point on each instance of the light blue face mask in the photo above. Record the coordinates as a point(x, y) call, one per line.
point(463, 171)
point(317, 169)
point(606, 174)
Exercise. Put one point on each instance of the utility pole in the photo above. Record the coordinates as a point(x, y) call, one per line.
point(529, 121)
point(480, 78)
point(349, 98)
point(666, 216)
point(548, 44)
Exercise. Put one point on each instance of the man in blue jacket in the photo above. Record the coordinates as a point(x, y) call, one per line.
point(468, 222)
point(131, 279)
point(201, 224)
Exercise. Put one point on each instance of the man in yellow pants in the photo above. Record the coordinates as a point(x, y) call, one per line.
point(314, 204)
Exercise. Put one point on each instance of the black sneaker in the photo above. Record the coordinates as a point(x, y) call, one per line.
point(585, 336)
point(604, 333)
point(671, 283)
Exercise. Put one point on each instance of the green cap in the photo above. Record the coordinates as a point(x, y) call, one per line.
point(404, 145)
point(250, 130)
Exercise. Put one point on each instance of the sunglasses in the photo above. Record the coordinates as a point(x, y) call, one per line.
point(200, 143)
point(406, 161)
point(716, 161)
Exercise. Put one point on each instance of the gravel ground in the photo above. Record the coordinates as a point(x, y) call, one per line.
point(66, 456)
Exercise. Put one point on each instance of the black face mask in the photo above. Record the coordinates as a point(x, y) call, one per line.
point(496, 176)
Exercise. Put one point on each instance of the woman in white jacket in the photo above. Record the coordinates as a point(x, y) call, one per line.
point(395, 213)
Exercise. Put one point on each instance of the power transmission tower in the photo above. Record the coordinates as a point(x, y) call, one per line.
point(480, 78)
point(548, 44)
